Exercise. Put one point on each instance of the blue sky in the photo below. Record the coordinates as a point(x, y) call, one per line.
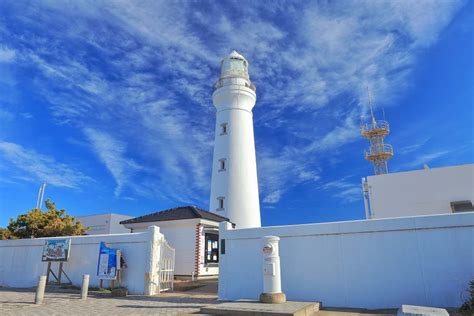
point(109, 103)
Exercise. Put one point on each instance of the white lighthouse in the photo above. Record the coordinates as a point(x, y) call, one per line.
point(234, 187)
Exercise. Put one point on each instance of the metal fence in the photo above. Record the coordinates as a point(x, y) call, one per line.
point(166, 267)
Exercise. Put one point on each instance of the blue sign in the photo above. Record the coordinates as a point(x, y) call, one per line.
point(109, 262)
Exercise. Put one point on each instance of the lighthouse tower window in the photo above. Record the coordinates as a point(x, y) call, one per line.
point(220, 203)
point(224, 129)
point(222, 164)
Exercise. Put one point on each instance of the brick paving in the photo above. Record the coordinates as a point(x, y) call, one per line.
point(21, 302)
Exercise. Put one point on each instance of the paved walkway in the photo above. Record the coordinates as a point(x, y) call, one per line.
point(209, 287)
point(21, 302)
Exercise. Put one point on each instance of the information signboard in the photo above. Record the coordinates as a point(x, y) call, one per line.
point(109, 262)
point(56, 250)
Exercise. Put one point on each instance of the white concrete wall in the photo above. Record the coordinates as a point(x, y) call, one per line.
point(183, 239)
point(426, 260)
point(420, 192)
point(115, 226)
point(104, 223)
point(181, 235)
point(21, 265)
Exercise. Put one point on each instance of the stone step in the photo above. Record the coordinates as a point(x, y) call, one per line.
point(412, 310)
point(255, 308)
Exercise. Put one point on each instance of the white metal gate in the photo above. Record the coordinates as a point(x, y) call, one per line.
point(166, 267)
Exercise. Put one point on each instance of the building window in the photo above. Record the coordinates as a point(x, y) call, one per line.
point(224, 129)
point(462, 206)
point(211, 248)
point(220, 203)
point(222, 164)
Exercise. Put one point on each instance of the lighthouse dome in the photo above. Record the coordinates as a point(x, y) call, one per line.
point(234, 65)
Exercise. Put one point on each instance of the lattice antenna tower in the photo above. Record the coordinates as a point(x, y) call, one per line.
point(379, 153)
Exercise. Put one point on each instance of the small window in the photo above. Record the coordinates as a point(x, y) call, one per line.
point(462, 206)
point(211, 248)
point(220, 203)
point(222, 164)
point(224, 129)
point(222, 246)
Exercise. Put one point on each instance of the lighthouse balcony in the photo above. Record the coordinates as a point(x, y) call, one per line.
point(226, 81)
point(382, 152)
point(377, 128)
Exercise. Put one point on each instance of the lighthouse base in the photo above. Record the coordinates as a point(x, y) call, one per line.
point(273, 298)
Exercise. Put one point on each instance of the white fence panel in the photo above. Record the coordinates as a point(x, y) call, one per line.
point(166, 267)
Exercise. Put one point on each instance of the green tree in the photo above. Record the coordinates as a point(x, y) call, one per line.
point(36, 223)
point(5, 234)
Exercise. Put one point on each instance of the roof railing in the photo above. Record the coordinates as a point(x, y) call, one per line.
point(220, 83)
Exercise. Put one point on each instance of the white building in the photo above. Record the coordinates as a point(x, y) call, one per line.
point(420, 192)
point(101, 224)
point(193, 232)
point(234, 187)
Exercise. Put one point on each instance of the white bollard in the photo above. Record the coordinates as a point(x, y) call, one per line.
point(271, 272)
point(40, 289)
point(85, 286)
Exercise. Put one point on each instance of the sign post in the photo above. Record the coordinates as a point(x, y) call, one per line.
point(108, 266)
point(56, 250)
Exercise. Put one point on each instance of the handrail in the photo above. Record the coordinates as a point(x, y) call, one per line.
point(385, 149)
point(379, 125)
point(220, 83)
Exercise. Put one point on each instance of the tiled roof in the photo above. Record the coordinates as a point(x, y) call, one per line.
point(177, 213)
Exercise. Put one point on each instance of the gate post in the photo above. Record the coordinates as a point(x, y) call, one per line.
point(153, 261)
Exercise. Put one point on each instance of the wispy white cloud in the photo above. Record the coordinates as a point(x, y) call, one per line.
point(338, 184)
point(6, 115)
point(422, 159)
point(272, 198)
point(112, 153)
point(408, 149)
point(154, 64)
point(350, 195)
point(278, 173)
point(7, 55)
point(347, 191)
point(36, 167)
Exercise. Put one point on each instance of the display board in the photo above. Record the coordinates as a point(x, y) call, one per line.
point(109, 262)
point(56, 250)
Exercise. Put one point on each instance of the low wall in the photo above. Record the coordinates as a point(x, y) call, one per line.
point(426, 260)
point(21, 265)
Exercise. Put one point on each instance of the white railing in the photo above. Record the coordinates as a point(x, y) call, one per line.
point(220, 83)
point(166, 267)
